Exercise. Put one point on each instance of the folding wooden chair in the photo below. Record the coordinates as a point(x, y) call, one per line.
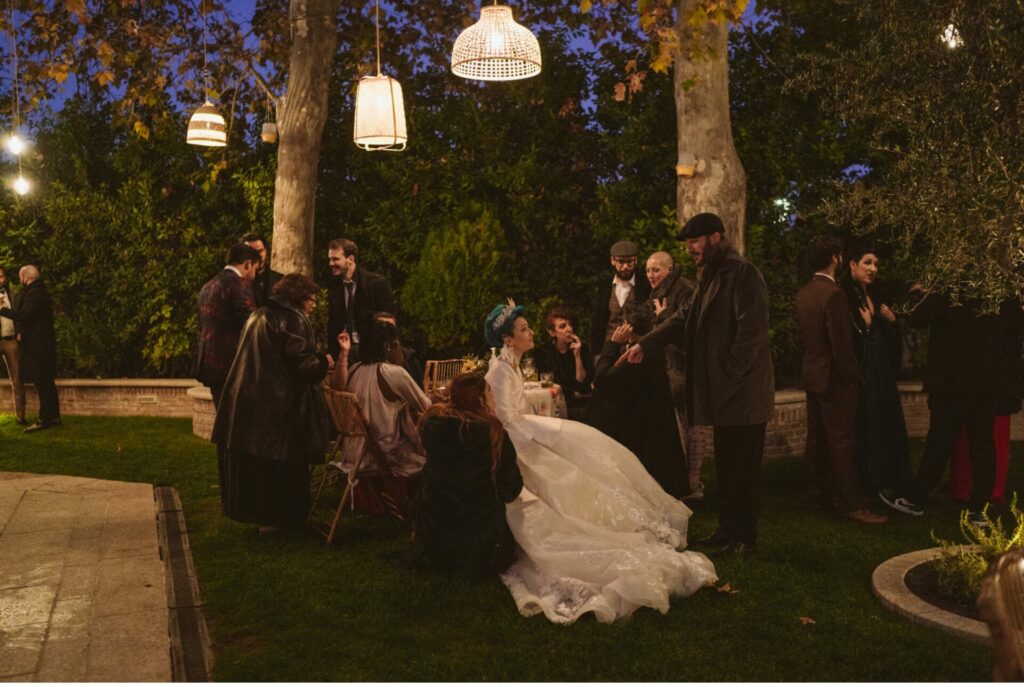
point(439, 373)
point(1001, 604)
point(369, 469)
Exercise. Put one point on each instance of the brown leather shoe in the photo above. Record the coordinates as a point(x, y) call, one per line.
point(865, 516)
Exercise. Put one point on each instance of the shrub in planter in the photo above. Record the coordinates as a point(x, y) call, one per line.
point(961, 566)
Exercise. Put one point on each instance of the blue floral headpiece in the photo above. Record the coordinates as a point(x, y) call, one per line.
point(499, 322)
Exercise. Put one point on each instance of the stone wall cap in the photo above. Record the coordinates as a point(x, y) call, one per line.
point(201, 392)
point(135, 382)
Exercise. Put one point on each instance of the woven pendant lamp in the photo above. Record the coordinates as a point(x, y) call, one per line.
point(496, 48)
point(206, 127)
point(380, 109)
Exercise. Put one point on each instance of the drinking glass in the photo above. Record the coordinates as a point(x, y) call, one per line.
point(529, 370)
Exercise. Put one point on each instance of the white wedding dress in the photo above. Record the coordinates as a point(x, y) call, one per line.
point(596, 531)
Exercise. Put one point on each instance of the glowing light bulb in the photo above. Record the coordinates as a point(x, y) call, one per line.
point(951, 37)
point(15, 145)
point(21, 185)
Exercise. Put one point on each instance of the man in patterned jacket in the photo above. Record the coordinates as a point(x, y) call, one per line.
point(225, 303)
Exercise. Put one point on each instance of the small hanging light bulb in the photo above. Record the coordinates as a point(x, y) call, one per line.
point(15, 144)
point(21, 185)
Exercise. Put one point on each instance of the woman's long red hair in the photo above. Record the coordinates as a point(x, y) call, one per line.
point(467, 401)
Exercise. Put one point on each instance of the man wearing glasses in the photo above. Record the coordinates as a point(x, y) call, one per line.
point(627, 286)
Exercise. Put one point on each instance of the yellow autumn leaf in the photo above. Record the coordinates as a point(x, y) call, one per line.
point(141, 130)
point(75, 6)
point(620, 92)
point(585, 6)
point(59, 72)
point(105, 53)
point(663, 61)
point(104, 78)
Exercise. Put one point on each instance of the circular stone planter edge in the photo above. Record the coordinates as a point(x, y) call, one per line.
point(887, 581)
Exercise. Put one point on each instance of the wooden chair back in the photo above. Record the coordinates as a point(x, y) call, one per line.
point(439, 373)
point(1002, 606)
point(369, 469)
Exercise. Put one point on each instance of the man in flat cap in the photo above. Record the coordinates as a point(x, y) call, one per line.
point(627, 286)
point(730, 383)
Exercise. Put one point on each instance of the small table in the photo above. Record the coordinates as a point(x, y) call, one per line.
point(547, 401)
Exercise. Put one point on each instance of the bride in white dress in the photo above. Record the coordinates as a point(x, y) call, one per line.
point(596, 531)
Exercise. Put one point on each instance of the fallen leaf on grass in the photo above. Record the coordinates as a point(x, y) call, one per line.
point(727, 589)
point(804, 620)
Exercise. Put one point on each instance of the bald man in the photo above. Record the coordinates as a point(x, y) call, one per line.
point(33, 312)
point(671, 293)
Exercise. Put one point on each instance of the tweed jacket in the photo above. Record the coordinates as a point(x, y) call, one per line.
point(225, 302)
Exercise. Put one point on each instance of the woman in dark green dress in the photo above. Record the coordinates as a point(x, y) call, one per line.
point(459, 522)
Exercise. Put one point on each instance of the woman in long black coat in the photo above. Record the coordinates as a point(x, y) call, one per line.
point(272, 419)
point(633, 404)
point(471, 473)
point(882, 452)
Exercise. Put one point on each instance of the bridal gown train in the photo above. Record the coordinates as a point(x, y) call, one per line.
point(596, 531)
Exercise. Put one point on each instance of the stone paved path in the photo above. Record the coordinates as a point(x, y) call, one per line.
point(82, 594)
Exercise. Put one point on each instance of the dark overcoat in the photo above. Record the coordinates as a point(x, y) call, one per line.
point(372, 295)
point(263, 286)
point(729, 375)
point(678, 292)
point(273, 403)
point(37, 348)
point(224, 304)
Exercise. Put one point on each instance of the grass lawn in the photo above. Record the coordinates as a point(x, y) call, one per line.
point(288, 609)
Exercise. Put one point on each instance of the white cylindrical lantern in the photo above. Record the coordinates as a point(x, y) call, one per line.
point(380, 114)
point(207, 127)
point(496, 48)
point(268, 134)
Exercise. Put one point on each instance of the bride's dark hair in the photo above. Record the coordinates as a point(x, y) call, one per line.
point(467, 402)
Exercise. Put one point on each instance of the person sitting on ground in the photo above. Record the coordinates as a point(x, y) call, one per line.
point(271, 422)
point(471, 473)
point(568, 359)
point(391, 400)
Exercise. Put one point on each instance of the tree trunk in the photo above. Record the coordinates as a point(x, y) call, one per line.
point(704, 128)
point(301, 116)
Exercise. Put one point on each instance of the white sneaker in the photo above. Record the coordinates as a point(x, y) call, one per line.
point(900, 503)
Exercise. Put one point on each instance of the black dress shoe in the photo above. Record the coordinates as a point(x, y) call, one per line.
point(719, 538)
point(737, 548)
point(21, 421)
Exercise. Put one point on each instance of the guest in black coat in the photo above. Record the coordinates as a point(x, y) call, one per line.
point(967, 378)
point(628, 285)
point(272, 421)
point(353, 296)
point(459, 522)
point(633, 403)
point(568, 360)
point(263, 282)
point(882, 450)
point(37, 349)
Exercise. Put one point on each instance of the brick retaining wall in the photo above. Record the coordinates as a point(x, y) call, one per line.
point(187, 398)
point(150, 397)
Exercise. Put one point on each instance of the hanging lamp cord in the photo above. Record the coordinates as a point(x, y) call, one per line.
point(15, 90)
point(206, 72)
point(378, 36)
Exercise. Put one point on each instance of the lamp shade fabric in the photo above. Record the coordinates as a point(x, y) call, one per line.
point(496, 48)
point(380, 114)
point(207, 127)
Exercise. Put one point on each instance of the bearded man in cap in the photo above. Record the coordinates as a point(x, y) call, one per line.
point(627, 286)
point(730, 383)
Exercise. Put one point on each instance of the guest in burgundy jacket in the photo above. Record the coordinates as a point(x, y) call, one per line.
point(225, 303)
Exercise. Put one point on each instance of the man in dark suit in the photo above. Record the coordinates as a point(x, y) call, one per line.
point(263, 282)
point(629, 285)
point(225, 303)
point(353, 296)
point(37, 345)
point(831, 379)
point(730, 383)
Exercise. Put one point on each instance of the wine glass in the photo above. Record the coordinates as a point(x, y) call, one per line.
point(529, 370)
